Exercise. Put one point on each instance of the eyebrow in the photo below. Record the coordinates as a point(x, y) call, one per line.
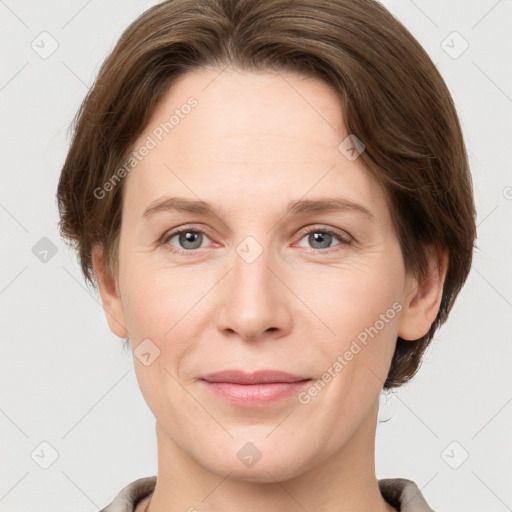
point(327, 204)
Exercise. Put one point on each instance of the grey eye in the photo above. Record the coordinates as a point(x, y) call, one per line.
point(321, 239)
point(188, 239)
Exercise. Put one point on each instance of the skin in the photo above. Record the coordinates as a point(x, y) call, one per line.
point(255, 142)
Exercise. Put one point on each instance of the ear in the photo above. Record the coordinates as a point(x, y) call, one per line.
point(424, 298)
point(109, 292)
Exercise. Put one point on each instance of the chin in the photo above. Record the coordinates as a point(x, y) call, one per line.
point(264, 473)
point(261, 461)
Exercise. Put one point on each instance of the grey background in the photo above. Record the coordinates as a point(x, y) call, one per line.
point(64, 379)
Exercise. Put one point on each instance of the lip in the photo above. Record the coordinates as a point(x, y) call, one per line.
point(259, 389)
point(258, 377)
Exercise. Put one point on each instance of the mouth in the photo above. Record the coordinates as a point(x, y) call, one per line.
point(258, 389)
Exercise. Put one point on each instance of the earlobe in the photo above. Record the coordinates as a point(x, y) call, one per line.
point(110, 297)
point(424, 298)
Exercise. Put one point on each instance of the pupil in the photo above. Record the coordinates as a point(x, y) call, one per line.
point(321, 237)
point(190, 238)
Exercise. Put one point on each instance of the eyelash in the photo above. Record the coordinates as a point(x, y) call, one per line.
point(344, 239)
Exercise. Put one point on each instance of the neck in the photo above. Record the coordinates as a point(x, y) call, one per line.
point(344, 482)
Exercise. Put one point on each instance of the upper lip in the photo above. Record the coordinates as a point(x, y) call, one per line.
point(258, 377)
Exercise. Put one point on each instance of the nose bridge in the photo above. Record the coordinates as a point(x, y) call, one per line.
point(251, 285)
point(253, 302)
point(251, 274)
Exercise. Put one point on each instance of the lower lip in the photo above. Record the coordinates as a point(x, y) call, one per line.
point(255, 395)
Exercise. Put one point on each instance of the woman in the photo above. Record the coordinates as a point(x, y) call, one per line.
point(274, 201)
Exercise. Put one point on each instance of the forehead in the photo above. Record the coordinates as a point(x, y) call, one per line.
point(248, 134)
point(237, 112)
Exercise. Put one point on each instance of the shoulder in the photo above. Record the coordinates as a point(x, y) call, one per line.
point(401, 493)
point(128, 497)
point(404, 495)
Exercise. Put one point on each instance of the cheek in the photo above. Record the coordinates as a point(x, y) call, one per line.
point(159, 306)
point(165, 306)
point(157, 298)
point(361, 307)
point(352, 298)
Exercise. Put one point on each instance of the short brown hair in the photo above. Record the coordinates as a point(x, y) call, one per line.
point(394, 100)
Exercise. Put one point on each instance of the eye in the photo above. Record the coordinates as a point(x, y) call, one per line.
point(188, 239)
point(322, 238)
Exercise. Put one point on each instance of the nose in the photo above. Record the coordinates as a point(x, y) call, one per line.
point(255, 303)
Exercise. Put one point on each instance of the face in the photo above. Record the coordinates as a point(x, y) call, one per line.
point(294, 267)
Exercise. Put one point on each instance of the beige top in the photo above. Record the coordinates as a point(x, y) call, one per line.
point(400, 493)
